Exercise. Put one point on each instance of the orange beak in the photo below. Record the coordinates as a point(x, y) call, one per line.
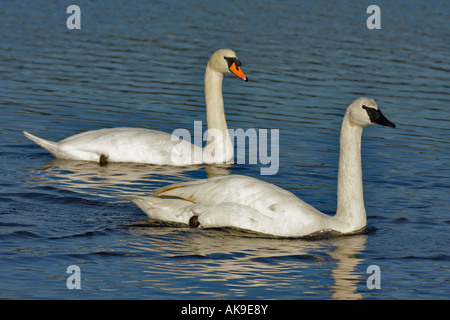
point(237, 71)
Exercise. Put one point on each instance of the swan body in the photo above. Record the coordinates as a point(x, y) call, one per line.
point(137, 145)
point(252, 204)
point(141, 145)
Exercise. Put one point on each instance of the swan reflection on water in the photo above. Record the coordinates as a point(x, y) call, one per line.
point(118, 179)
point(241, 261)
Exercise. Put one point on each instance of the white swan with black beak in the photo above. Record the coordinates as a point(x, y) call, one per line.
point(251, 204)
point(141, 145)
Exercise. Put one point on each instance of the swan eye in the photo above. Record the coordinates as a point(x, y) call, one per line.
point(368, 109)
point(377, 117)
point(232, 60)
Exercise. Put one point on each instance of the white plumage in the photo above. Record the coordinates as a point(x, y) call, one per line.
point(252, 204)
point(155, 147)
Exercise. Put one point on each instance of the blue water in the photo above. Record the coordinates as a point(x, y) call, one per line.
point(141, 64)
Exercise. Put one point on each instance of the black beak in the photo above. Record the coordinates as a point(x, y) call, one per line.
point(377, 117)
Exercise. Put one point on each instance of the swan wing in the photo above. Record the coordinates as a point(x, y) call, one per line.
point(171, 210)
point(243, 202)
point(129, 145)
point(257, 194)
point(234, 201)
point(210, 216)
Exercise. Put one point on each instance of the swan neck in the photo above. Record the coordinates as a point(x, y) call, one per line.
point(218, 136)
point(350, 203)
point(215, 113)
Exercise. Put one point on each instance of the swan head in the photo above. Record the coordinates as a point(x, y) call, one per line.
point(365, 111)
point(224, 61)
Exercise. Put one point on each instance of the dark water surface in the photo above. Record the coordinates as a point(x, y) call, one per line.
point(141, 64)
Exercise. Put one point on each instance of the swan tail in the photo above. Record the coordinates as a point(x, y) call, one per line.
point(50, 146)
point(173, 210)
